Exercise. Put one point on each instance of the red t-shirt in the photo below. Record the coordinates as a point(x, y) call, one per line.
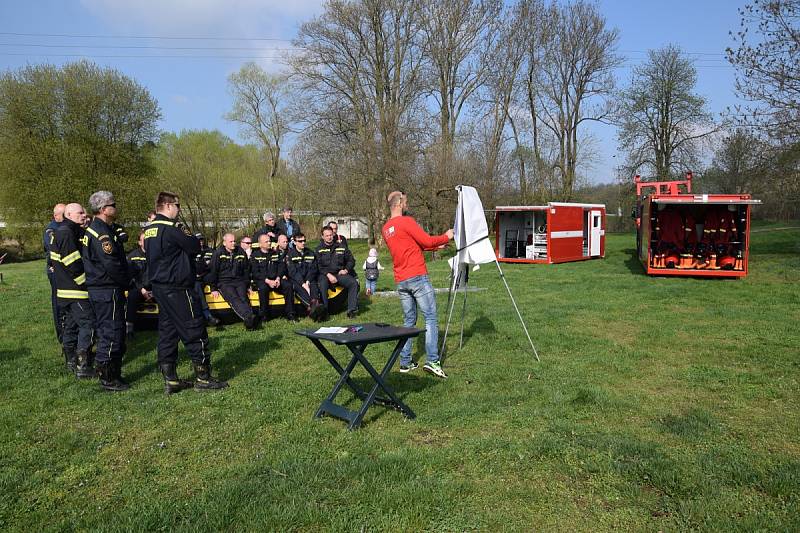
point(406, 241)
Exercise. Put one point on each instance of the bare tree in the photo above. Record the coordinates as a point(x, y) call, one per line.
point(457, 37)
point(515, 81)
point(260, 103)
point(570, 79)
point(661, 119)
point(738, 166)
point(360, 72)
point(767, 60)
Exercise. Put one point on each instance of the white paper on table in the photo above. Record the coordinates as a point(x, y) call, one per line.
point(331, 329)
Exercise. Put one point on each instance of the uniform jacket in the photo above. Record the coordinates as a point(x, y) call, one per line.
point(170, 248)
point(264, 230)
point(302, 266)
point(202, 260)
point(47, 238)
point(267, 265)
point(281, 226)
point(334, 257)
point(228, 267)
point(137, 263)
point(65, 254)
point(104, 258)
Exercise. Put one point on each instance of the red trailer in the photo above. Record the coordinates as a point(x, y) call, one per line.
point(552, 233)
point(685, 234)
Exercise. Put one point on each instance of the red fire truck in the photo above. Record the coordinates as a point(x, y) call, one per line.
point(685, 234)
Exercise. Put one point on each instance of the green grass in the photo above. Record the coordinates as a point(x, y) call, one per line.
point(659, 404)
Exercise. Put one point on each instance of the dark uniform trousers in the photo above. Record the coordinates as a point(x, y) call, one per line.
point(78, 324)
point(58, 313)
point(134, 299)
point(180, 317)
point(199, 287)
point(236, 296)
point(303, 294)
point(347, 281)
point(109, 315)
point(285, 289)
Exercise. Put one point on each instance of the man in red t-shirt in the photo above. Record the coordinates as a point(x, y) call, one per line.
point(406, 241)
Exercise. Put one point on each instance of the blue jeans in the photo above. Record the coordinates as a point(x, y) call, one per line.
point(371, 285)
point(417, 292)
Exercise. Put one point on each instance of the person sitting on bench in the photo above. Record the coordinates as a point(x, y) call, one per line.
point(229, 274)
point(268, 271)
point(335, 264)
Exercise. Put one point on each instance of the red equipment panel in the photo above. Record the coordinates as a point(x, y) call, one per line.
point(700, 235)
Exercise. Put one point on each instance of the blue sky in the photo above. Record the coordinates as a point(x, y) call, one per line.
point(192, 92)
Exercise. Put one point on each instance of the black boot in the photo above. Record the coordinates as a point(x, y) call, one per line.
point(203, 379)
point(117, 367)
point(172, 383)
point(318, 313)
point(70, 360)
point(107, 379)
point(84, 369)
point(212, 320)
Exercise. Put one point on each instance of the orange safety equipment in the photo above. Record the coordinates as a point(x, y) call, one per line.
point(726, 262)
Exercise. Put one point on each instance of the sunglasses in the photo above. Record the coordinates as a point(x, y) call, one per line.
point(300, 240)
point(247, 242)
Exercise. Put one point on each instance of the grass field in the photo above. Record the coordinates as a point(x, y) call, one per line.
point(659, 404)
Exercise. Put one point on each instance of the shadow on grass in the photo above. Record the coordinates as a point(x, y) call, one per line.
point(481, 326)
point(693, 424)
point(364, 303)
point(11, 355)
point(632, 262)
point(140, 346)
point(402, 386)
point(234, 361)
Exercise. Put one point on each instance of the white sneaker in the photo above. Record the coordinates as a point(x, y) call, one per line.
point(435, 369)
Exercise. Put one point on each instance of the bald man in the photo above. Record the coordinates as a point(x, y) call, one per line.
point(47, 240)
point(71, 291)
point(229, 275)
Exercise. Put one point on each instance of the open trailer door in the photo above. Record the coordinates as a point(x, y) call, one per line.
point(595, 232)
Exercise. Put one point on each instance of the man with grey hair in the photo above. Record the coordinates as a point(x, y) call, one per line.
point(107, 277)
point(73, 298)
point(269, 228)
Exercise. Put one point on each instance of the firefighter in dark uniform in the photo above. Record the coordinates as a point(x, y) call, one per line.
point(338, 239)
point(268, 271)
point(137, 291)
point(202, 260)
point(47, 240)
point(301, 264)
point(73, 297)
point(171, 250)
point(229, 274)
point(107, 278)
point(335, 263)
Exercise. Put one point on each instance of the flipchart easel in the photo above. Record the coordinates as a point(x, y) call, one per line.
point(471, 236)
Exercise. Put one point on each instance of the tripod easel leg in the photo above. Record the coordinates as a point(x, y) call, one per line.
point(503, 277)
